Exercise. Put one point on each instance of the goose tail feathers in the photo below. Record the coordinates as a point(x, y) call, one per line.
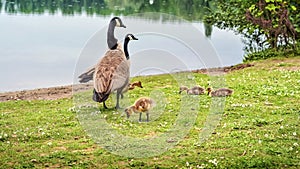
point(100, 97)
point(87, 76)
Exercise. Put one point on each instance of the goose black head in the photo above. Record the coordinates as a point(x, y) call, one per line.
point(118, 22)
point(131, 37)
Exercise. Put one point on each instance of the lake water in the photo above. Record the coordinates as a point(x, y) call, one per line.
point(44, 50)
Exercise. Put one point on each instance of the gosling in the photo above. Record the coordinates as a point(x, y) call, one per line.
point(196, 90)
point(141, 105)
point(131, 86)
point(222, 92)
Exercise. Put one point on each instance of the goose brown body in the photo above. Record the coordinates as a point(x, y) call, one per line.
point(111, 74)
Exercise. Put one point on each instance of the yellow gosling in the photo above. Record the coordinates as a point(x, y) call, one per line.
point(196, 90)
point(183, 88)
point(131, 86)
point(141, 105)
point(222, 92)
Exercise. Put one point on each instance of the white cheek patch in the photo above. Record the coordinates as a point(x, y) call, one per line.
point(130, 37)
point(118, 23)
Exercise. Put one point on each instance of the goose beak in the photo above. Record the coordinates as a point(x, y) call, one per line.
point(123, 26)
point(134, 38)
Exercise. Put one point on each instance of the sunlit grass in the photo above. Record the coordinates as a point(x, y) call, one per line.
point(259, 127)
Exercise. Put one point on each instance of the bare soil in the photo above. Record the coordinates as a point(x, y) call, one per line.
point(51, 93)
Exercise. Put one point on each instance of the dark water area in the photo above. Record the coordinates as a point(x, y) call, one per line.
point(49, 43)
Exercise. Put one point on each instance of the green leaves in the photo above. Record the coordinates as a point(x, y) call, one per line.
point(263, 23)
point(293, 8)
point(272, 7)
point(252, 8)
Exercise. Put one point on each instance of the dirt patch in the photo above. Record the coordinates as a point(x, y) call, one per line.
point(51, 93)
point(222, 70)
point(54, 93)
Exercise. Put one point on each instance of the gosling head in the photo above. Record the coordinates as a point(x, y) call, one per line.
point(209, 90)
point(118, 22)
point(129, 111)
point(139, 84)
point(183, 88)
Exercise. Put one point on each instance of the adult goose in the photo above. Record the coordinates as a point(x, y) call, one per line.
point(112, 44)
point(112, 73)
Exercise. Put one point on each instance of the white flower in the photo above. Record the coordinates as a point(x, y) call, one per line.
point(281, 127)
point(296, 144)
point(214, 162)
point(294, 133)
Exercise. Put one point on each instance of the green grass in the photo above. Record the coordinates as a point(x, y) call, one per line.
point(259, 127)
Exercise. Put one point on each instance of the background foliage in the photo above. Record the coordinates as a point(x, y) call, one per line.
point(257, 23)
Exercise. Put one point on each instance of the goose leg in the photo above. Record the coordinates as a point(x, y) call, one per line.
point(118, 98)
point(104, 105)
point(147, 113)
point(140, 119)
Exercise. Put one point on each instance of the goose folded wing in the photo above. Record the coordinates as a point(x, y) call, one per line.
point(111, 72)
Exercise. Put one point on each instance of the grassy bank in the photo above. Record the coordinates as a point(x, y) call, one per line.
point(259, 127)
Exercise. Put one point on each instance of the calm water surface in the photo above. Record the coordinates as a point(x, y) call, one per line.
point(50, 50)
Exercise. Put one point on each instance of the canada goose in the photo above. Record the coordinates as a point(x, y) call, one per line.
point(222, 92)
point(141, 105)
point(196, 90)
point(112, 44)
point(112, 73)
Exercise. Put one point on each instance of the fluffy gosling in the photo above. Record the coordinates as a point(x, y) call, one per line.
point(222, 92)
point(141, 105)
point(131, 86)
point(196, 90)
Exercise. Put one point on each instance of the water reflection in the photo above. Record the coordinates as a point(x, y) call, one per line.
point(41, 50)
point(187, 9)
